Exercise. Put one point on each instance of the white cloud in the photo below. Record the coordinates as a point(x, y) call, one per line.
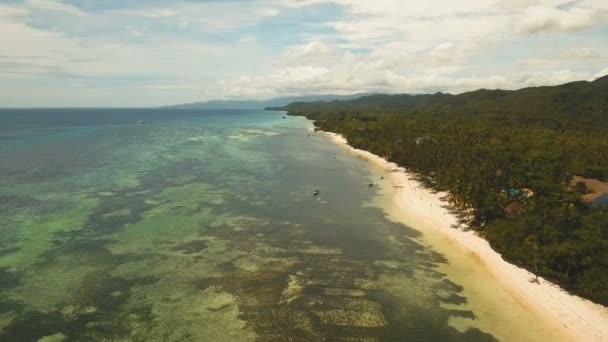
point(222, 49)
point(54, 6)
point(172, 86)
point(248, 39)
point(319, 81)
point(416, 9)
point(539, 19)
point(582, 52)
point(18, 39)
point(155, 13)
point(602, 73)
point(535, 79)
point(12, 12)
point(217, 17)
point(314, 53)
point(417, 46)
point(109, 56)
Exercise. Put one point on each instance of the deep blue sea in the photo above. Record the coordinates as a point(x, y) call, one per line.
point(188, 225)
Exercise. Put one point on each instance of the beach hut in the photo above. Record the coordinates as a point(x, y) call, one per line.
point(601, 201)
point(527, 192)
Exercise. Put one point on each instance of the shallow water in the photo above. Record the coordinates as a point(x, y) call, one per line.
point(159, 225)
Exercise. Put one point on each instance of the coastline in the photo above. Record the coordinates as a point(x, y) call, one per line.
point(564, 317)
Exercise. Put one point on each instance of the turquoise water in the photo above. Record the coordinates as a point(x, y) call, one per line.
point(158, 225)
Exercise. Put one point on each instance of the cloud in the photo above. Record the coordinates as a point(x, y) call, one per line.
point(213, 17)
point(35, 69)
point(171, 86)
point(602, 73)
point(162, 52)
point(313, 53)
point(155, 13)
point(534, 79)
point(582, 52)
point(539, 19)
point(12, 12)
point(18, 39)
point(413, 46)
point(310, 80)
point(54, 6)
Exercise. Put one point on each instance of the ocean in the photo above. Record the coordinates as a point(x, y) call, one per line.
point(189, 225)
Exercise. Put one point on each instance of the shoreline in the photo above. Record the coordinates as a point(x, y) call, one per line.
point(565, 317)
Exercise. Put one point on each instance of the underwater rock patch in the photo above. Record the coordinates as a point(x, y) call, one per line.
point(58, 337)
point(120, 212)
point(9, 278)
point(356, 312)
point(344, 292)
point(293, 289)
point(191, 247)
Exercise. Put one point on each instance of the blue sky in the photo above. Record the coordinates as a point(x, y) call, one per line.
point(148, 53)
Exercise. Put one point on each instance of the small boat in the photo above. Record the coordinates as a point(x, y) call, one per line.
point(334, 157)
point(316, 193)
point(370, 185)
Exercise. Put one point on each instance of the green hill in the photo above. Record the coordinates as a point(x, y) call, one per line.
point(571, 98)
point(491, 149)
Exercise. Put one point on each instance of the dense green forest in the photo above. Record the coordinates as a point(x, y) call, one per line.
point(484, 148)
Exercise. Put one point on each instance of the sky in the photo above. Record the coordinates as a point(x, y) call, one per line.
point(126, 53)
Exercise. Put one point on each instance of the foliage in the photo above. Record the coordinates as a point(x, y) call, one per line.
point(476, 144)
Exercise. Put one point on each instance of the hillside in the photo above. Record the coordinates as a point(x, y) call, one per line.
point(507, 159)
point(253, 104)
point(571, 98)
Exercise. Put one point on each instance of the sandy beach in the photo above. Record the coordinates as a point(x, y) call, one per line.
point(542, 310)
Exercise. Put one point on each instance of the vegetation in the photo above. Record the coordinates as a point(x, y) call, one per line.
point(483, 147)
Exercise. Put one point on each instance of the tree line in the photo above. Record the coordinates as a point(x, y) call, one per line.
point(485, 148)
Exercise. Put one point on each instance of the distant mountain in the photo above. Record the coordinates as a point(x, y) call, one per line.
point(570, 98)
point(252, 104)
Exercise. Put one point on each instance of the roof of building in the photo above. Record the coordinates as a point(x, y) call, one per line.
point(601, 201)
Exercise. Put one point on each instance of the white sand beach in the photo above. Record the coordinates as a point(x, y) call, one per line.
point(543, 311)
